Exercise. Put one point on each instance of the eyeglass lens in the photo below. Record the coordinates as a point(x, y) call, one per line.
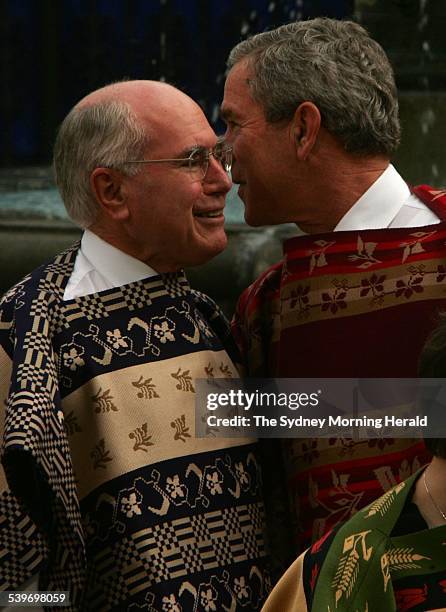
point(199, 160)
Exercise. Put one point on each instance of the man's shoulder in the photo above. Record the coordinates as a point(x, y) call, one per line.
point(50, 277)
point(208, 308)
point(201, 298)
point(433, 197)
point(263, 288)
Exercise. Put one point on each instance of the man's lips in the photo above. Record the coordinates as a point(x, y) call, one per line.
point(209, 214)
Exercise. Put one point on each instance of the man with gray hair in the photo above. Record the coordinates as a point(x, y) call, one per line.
point(312, 115)
point(106, 493)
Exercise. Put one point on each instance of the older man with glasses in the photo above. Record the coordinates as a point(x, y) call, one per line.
point(109, 495)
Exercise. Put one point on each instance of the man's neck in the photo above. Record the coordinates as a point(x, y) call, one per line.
point(336, 180)
point(119, 239)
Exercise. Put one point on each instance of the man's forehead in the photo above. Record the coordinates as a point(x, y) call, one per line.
point(237, 95)
point(181, 135)
point(168, 116)
point(179, 118)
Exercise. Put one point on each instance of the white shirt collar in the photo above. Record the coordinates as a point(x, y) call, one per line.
point(379, 205)
point(117, 267)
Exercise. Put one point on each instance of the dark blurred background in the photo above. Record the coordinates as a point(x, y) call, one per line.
point(53, 52)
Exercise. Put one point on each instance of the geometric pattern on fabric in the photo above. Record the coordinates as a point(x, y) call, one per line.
point(212, 526)
point(213, 590)
point(91, 307)
point(152, 551)
point(22, 555)
point(57, 347)
point(138, 582)
point(135, 297)
point(175, 288)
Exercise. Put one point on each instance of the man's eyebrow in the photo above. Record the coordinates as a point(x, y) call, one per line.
point(188, 150)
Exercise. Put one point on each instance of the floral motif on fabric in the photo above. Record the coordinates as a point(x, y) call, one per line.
point(181, 431)
point(146, 388)
point(103, 402)
point(364, 253)
point(225, 370)
point(214, 482)
point(242, 475)
point(317, 257)
point(100, 455)
point(413, 285)
point(115, 339)
point(241, 588)
point(164, 331)
point(338, 506)
point(73, 358)
point(374, 285)
point(174, 488)
point(130, 505)
point(141, 437)
point(184, 380)
point(414, 247)
point(208, 597)
point(170, 604)
point(71, 424)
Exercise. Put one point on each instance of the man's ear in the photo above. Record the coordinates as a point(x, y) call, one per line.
point(306, 126)
point(107, 187)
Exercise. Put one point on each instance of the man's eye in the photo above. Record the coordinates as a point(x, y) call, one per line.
point(196, 159)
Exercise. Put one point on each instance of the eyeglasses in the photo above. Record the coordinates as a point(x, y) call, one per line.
point(198, 160)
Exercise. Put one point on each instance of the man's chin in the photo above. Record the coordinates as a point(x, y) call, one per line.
point(219, 246)
point(262, 217)
point(207, 254)
point(254, 220)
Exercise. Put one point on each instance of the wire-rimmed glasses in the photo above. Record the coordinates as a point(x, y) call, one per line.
point(198, 160)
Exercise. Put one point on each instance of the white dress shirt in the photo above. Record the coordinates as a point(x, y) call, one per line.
point(387, 203)
point(100, 266)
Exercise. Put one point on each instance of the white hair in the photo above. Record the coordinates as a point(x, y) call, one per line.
point(105, 134)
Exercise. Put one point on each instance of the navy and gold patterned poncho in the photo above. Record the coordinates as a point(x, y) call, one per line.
point(106, 492)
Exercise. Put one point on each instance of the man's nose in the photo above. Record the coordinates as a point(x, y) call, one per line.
point(216, 179)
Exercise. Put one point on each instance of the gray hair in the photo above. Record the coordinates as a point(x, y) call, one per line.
point(337, 66)
point(105, 134)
